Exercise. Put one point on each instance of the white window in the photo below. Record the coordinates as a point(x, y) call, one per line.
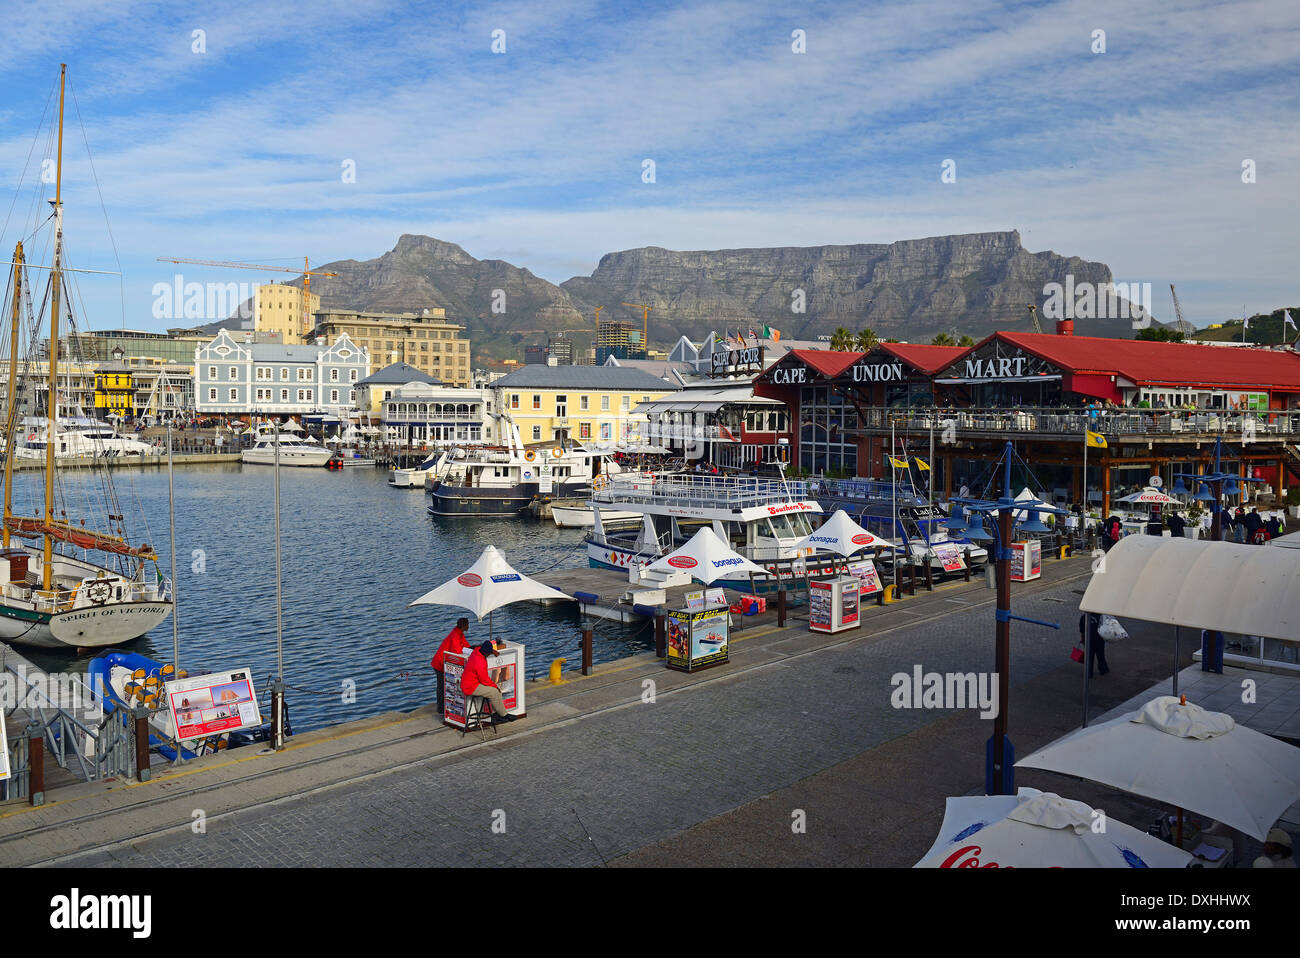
point(352, 376)
point(212, 372)
point(212, 395)
point(584, 403)
point(304, 374)
point(284, 395)
point(334, 396)
point(300, 399)
point(604, 404)
point(351, 396)
point(334, 375)
point(537, 432)
point(234, 395)
point(309, 393)
point(234, 372)
point(627, 403)
point(284, 373)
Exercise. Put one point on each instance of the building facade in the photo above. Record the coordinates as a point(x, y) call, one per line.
point(426, 340)
point(278, 309)
point(234, 378)
point(590, 404)
point(418, 413)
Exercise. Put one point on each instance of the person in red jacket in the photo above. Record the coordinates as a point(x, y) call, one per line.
point(454, 642)
point(475, 681)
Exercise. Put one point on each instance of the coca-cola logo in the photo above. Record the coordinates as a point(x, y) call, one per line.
point(682, 562)
point(861, 539)
point(470, 579)
point(955, 860)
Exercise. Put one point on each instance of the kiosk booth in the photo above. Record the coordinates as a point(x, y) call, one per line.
point(505, 668)
point(833, 604)
point(699, 636)
point(1026, 560)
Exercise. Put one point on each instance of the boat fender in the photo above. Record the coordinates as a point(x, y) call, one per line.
point(649, 611)
point(588, 598)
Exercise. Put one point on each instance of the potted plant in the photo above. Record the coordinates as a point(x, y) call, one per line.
point(1293, 501)
point(1194, 515)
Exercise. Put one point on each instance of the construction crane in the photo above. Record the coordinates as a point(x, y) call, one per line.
point(1033, 318)
point(306, 272)
point(645, 325)
point(1182, 325)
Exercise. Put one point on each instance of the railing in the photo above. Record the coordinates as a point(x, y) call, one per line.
point(717, 492)
point(64, 731)
point(1056, 421)
point(698, 433)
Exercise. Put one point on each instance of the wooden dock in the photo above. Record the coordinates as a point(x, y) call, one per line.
point(612, 595)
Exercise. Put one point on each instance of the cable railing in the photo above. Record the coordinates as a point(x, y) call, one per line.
point(1117, 422)
point(717, 492)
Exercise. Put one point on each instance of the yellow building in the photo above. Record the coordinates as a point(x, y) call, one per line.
point(279, 310)
point(592, 404)
point(114, 392)
point(426, 340)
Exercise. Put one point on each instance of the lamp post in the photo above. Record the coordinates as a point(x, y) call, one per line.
point(1000, 757)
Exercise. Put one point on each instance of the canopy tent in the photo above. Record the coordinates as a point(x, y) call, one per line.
point(1034, 829)
point(1226, 586)
point(1184, 756)
point(488, 584)
point(706, 557)
point(841, 535)
point(1289, 541)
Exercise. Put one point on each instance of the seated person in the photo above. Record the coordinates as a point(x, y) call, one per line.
point(1277, 851)
point(475, 681)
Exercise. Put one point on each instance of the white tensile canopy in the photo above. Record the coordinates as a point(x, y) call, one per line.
point(841, 535)
point(488, 584)
point(290, 426)
point(1034, 829)
point(1186, 757)
point(1227, 586)
point(706, 557)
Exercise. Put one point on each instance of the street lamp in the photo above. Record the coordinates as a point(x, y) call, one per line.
point(1000, 757)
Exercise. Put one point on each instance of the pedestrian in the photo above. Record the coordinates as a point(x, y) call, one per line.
point(1274, 526)
point(1277, 851)
point(1211, 651)
point(1177, 525)
point(1093, 642)
point(455, 643)
point(476, 681)
point(1239, 525)
point(1112, 530)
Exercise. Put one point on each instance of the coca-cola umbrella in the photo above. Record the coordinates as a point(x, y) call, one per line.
point(706, 557)
point(1034, 829)
point(841, 535)
point(1149, 497)
point(488, 584)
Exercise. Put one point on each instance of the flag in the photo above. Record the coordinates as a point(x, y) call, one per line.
point(776, 335)
point(752, 334)
point(1245, 320)
point(1096, 439)
point(1286, 318)
point(921, 463)
point(897, 463)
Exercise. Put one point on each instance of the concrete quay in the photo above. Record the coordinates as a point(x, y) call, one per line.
point(636, 764)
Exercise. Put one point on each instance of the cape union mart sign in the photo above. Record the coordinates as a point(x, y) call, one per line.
point(861, 372)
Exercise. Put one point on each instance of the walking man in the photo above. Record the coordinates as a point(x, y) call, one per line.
point(1211, 651)
point(1093, 642)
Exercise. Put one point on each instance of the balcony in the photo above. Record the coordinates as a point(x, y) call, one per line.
point(1054, 423)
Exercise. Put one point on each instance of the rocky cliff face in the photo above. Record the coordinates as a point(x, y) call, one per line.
point(971, 284)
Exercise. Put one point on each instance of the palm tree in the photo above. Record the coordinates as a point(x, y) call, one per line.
point(867, 340)
point(943, 339)
point(965, 341)
point(841, 340)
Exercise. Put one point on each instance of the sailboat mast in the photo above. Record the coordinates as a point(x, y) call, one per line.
point(13, 392)
point(52, 403)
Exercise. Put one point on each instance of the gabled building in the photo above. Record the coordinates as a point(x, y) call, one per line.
point(234, 378)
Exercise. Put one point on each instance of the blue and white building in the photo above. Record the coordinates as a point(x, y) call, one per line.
point(238, 378)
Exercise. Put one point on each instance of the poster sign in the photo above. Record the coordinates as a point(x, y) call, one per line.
point(715, 597)
point(951, 556)
point(453, 667)
point(850, 600)
point(212, 704)
point(695, 601)
point(5, 771)
point(504, 668)
point(819, 605)
point(696, 640)
point(864, 570)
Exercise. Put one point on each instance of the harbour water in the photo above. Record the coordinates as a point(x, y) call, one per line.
point(354, 553)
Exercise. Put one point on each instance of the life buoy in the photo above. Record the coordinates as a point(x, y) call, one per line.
point(598, 483)
point(557, 452)
point(530, 455)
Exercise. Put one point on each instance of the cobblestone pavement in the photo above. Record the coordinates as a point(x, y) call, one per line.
point(620, 780)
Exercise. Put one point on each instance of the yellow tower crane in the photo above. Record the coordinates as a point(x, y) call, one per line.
point(645, 325)
point(306, 272)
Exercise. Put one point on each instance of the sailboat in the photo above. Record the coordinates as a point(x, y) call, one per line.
point(50, 597)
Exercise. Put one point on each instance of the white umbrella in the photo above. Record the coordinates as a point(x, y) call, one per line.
point(1150, 497)
point(706, 557)
point(1034, 829)
point(488, 584)
point(841, 535)
point(1184, 756)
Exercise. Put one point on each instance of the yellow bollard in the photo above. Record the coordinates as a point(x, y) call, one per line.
point(1065, 552)
point(889, 594)
point(557, 667)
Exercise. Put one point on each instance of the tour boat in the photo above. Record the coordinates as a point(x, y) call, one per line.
point(761, 519)
point(417, 477)
point(52, 595)
point(293, 451)
point(77, 439)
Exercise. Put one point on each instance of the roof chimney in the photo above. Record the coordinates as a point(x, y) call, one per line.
point(1065, 327)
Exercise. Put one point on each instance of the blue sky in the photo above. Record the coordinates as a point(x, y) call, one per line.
point(1132, 156)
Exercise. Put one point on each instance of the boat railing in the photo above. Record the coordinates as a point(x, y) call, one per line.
point(66, 721)
point(713, 492)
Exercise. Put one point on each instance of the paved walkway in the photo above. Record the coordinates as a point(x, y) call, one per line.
point(712, 771)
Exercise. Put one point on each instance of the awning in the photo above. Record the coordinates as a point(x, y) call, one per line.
point(1196, 584)
point(705, 400)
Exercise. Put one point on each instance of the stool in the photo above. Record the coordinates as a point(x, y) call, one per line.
point(478, 715)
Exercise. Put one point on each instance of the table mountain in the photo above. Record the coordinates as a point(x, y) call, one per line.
point(912, 289)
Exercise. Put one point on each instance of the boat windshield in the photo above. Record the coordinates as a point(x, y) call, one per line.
point(789, 526)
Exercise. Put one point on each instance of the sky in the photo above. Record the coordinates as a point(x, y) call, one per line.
point(267, 132)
